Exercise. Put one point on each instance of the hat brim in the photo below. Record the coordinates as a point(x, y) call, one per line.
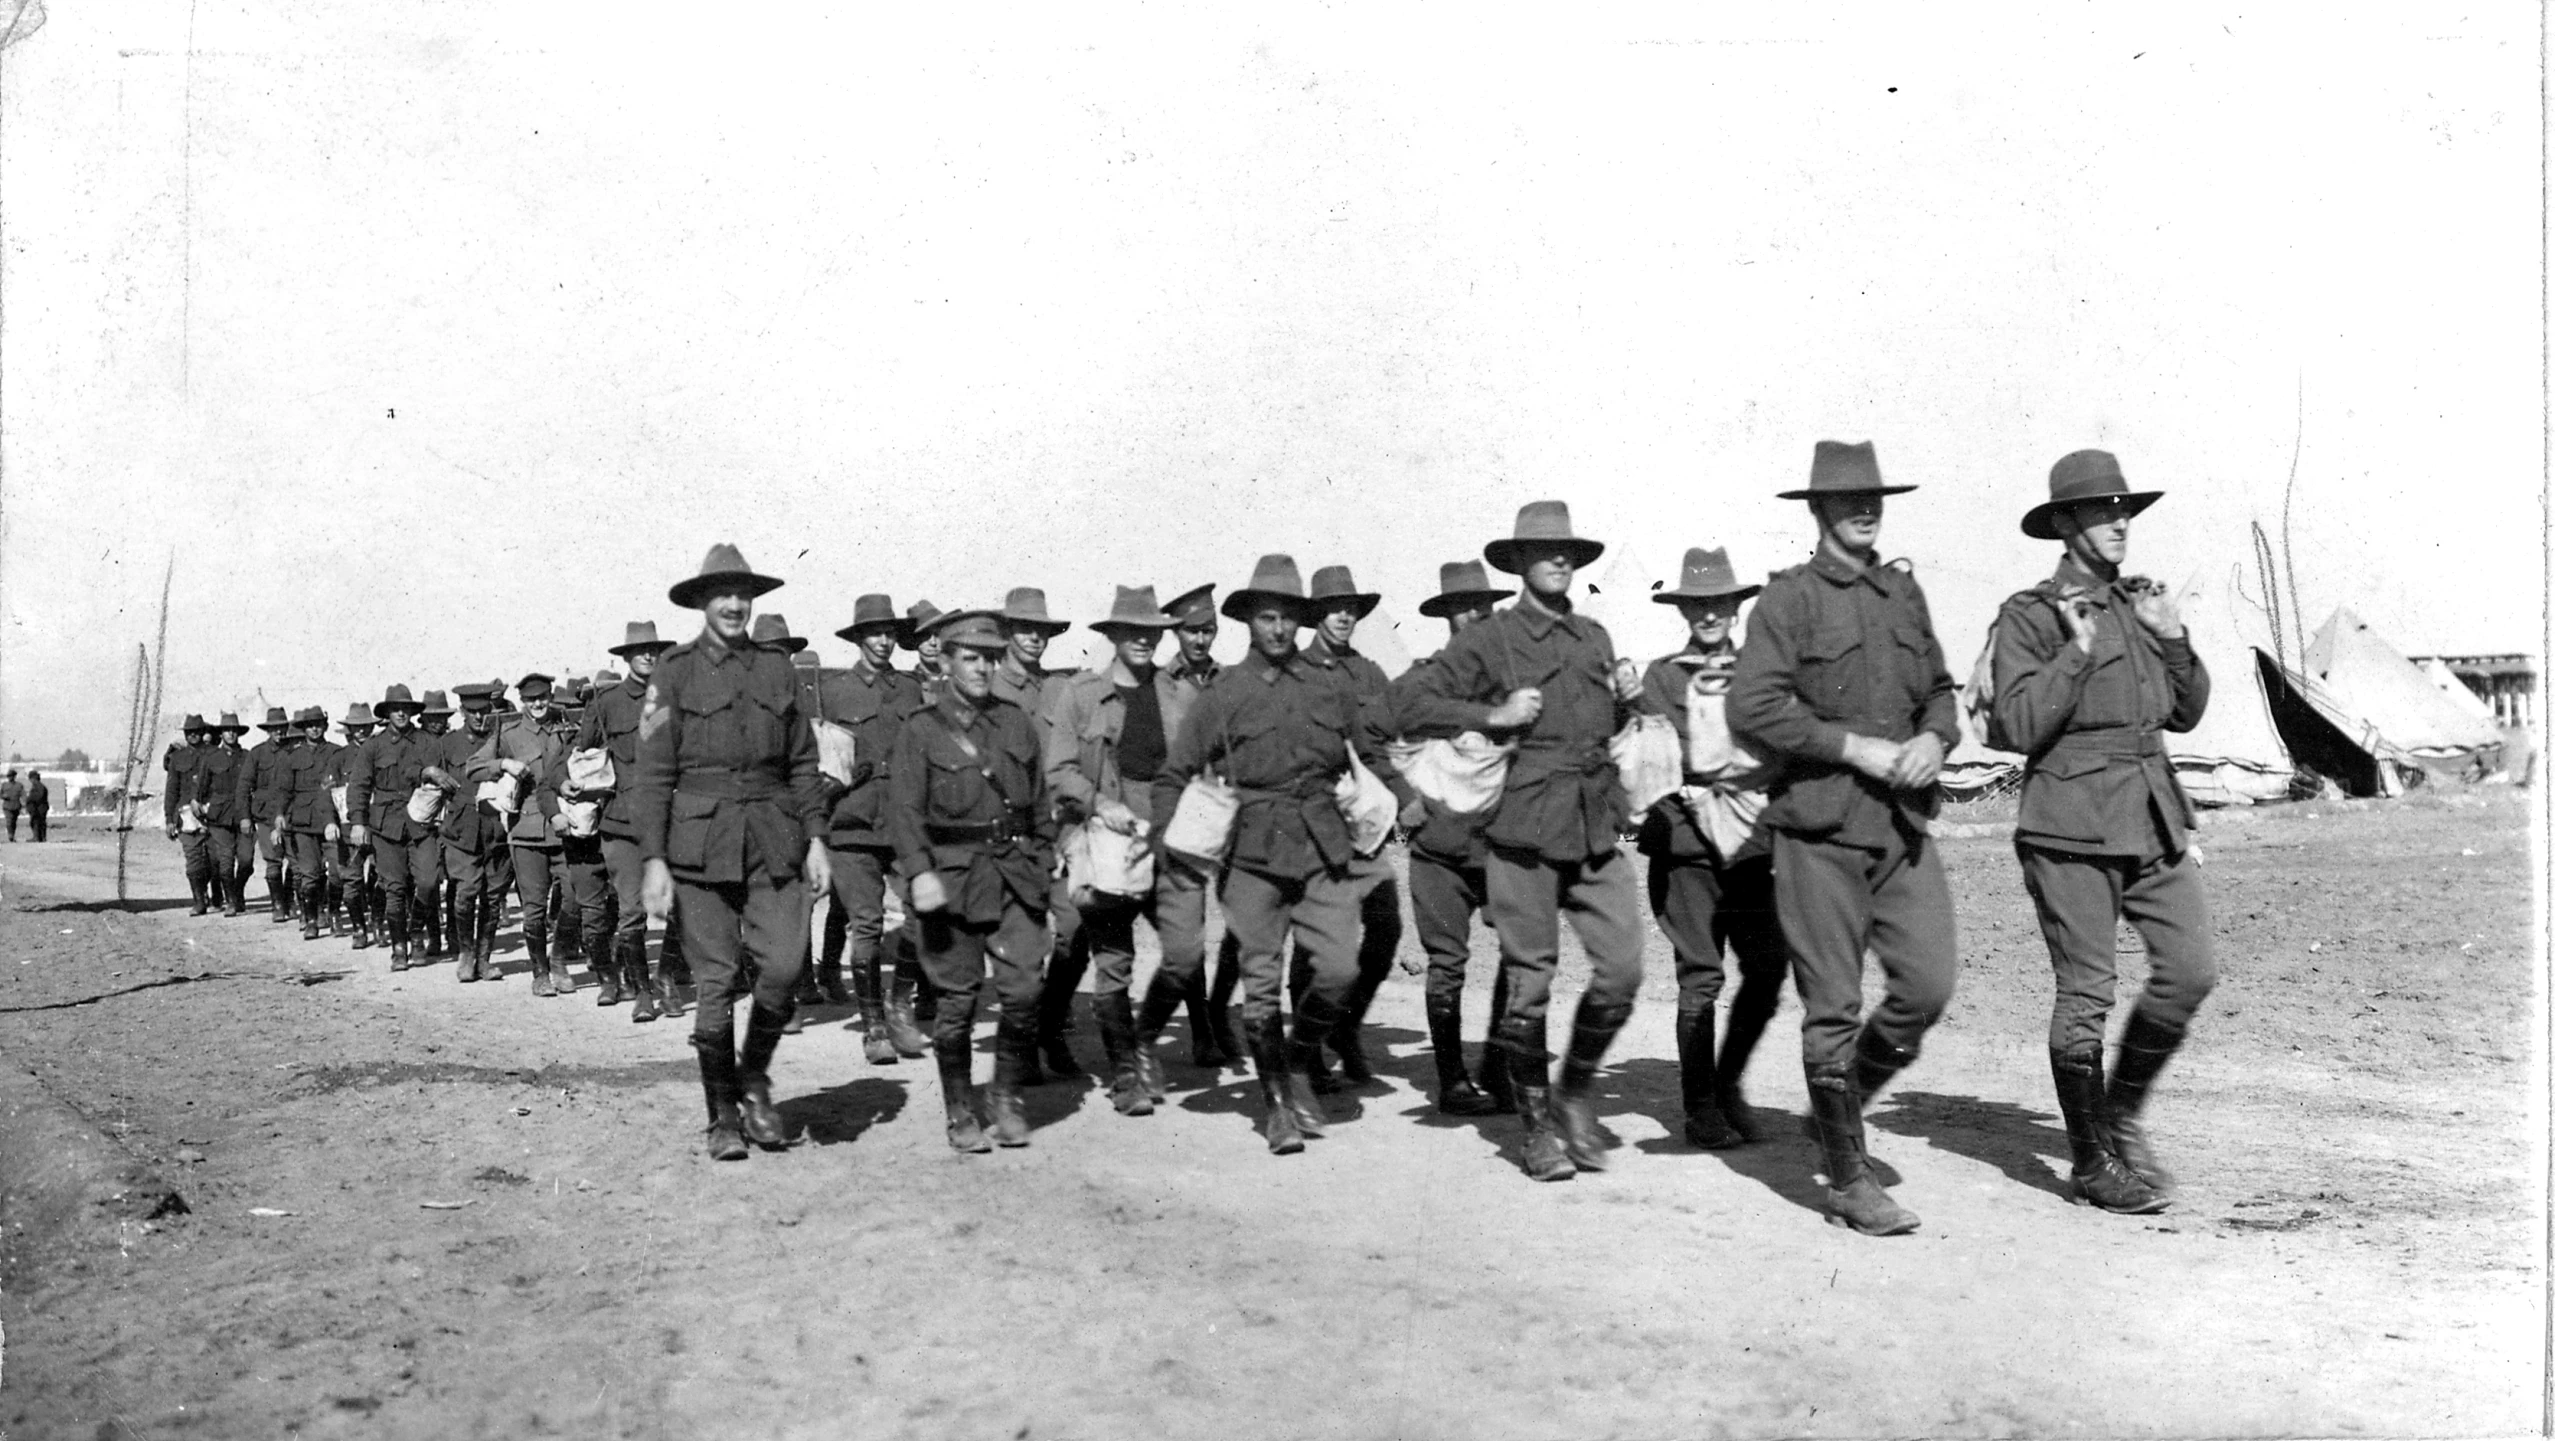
point(1438, 607)
point(1671, 597)
point(895, 626)
point(1239, 604)
point(650, 647)
point(690, 593)
point(1115, 622)
point(1048, 624)
point(1502, 553)
point(1843, 490)
point(1366, 602)
point(2036, 521)
point(413, 707)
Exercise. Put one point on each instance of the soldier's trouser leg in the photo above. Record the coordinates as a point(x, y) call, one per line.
point(1379, 932)
point(725, 927)
point(426, 887)
point(590, 900)
point(2081, 900)
point(1836, 900)
point(390, 862)
point(1321, 913)
point(1067, 959)
point(533, 867)
point(309, 878)
point(221, 852)
point(1752, 936)
point(12, 815)
point(37, 821)
point(1444, 896)
point(196, 849)
point(1685, 896)
point(1528, 896)
point(468, 872)
point(270, 855)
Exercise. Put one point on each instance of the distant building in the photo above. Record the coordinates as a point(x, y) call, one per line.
point(2507, 684)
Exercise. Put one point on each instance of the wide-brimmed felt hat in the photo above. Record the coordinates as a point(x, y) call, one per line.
point(1707, 577)
point(773, 632)
point(396, 697)
point(2080, 476)
point(869, 613)
point(918, 623)
point(1837, 468)
point(1134, 609)
point(1027, 605)
point(1274, 578)
point(193, 722)
point(359, 714)
point(230, 721)
point(436, 704)
point(1191, 607)
point(311, 715)
point(723, 567)
point(640, 635)
point(1333, 584)
point(275, 720)
point(1461, 585)
point(1542, 526)
point(981, 629)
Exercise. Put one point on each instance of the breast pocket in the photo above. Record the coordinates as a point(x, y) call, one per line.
point(1826, 679)
point(953, 786)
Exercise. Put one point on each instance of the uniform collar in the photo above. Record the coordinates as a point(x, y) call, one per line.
point(718, 652)
point(1180, 669)
point(1837, 572)
point(1269, 670)
point(1540, 618)
point(870, 675)
point(1321, 649)
point(958, 713)
point(1010, 668)
point(2072, 575)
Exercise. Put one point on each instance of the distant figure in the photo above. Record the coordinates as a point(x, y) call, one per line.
point(39, 805)
point(13, 798)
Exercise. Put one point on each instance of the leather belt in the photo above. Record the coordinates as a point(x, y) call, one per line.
point(732, 785)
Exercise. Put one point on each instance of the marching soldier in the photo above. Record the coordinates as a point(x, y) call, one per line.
point(871, 698)
point(261, 805)
point(216, 797)
point(1711, 876)
point(1843, 683)
point(1449, 882)
point(437, 924)
point(1023, 679)
point(968, 816)
point(612, 726)
point(1107, 734)
point(1338, 606)
point(2090, 666)
point(346, 860)
point(726, 801)
point(920, 638)
point(379, 782)
point(1278, 728)
point(309, 816)
point(529, 755)
point(771, 630)
point(177, 811)
point(1180, 888)
point(474, 838)
point(1546, 675)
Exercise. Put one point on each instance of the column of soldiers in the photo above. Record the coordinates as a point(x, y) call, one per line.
point(695, 792)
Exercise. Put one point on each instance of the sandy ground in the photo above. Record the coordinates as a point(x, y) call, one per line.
point(2358, 1250)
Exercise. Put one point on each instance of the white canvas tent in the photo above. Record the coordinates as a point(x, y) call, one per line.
point(2384, 704)
point(2438, 673)
point(2234, 757)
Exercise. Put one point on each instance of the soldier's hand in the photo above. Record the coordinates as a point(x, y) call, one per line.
point(2080, 622)
point(930, 896)
point(331, 831)
point(656, 890)
point(360, 835)
point(172, 833)
point(820, 869)
point(1518, 711)
point(2156, 611)
point(1627, 681)
point(1872, 756)
point(248, 828)
point(1415, 814)
point(1919, 762)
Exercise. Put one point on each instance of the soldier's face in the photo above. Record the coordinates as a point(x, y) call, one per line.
point(401, 720)
point(2095, 530)
point(357, 735)
point(928, 652)
point(1549, 576)
point(1852, 521)
point(878, 646)
point(971, 670)
point(1028, 642)
point(315, 733)
point(199, 738)
point(1273, 629)
point(729, 614)
point(1338, 625)
point(1197, 642)
point(538, 709)
point(479, 720)
point(1134, 647)
point(1456, 620)
point(1709, 621)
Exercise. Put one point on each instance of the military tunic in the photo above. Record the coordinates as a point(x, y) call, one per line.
point(1835, 650)
point(2104, 827)
point(407, 853)
point(873, 703)
point(725, 791)
point(967, 800)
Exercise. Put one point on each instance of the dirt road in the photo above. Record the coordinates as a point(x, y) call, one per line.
point(2358, 1248)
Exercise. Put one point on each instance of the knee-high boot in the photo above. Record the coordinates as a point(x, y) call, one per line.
point(1456, 1093)
point(1854, 1199)
point(394, 920)
point(869, 979)
point(1277, 1110)
point(2144, 1049)
point(958, 1094)
point(1116, 1016)
point(1592, 1031)
point(1314, 1018)
point(1699, 1081)
point(1161, 998)
point(1015, 1051)
point(358, 915)
point(763, 1124)
point(2096, 1177)
point(725, 1092)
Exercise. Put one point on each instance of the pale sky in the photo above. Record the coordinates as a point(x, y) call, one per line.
point(436, 341)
